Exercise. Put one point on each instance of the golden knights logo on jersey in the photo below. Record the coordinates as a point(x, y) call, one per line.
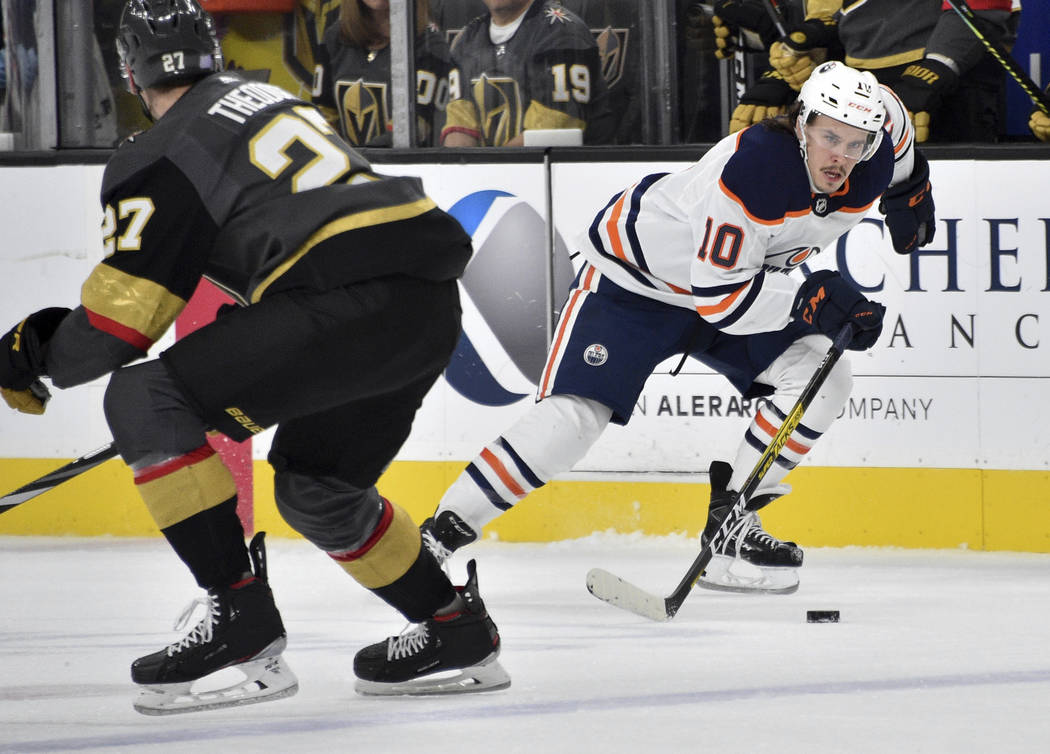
point(612, 49)
point(362, 110)
point(499, 104)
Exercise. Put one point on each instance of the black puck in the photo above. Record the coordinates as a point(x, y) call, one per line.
point(822, 616)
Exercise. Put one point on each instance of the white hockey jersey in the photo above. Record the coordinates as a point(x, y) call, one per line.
point(722, 235)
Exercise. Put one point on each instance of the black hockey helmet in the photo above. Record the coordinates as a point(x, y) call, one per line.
point(166, 42)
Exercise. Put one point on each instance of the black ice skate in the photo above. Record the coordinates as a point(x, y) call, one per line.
point(449, 654)
point(749, 559)
point(444, 534)
point(241, 629)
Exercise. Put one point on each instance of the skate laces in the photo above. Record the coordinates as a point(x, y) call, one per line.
point(439, 551)
point(759, 535)
point(736, 534)
point(410, 642)
point(202, 632)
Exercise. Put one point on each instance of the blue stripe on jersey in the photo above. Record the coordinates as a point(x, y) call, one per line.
point(743, 306)
point(490, 493)
point(632, 216)
point(523, 467)
point(715, 290)
point(596, 239)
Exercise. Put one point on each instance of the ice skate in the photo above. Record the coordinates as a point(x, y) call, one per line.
point(231, 657)
point(445, 533)
point(449, 654)
point(749, 559)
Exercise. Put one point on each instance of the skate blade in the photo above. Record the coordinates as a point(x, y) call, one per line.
point(266, 679)
point(726, 574)
point(487, 675)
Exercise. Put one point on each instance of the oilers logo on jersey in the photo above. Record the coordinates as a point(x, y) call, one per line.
point(596, 354)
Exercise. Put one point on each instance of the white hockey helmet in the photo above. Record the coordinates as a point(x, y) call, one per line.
point(847, 95)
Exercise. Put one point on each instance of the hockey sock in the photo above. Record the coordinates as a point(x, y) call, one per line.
point(767, 421)
point(394, 565)
point(548, 440)
point(211, 544)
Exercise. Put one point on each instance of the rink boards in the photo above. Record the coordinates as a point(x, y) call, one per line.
point(944, 442)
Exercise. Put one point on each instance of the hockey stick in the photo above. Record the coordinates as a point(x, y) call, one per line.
point(622, 594)
point(1041, 100)
point(778, 19)
point(53, 479)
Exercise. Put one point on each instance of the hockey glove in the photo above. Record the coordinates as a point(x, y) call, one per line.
point(1040, 125)
point(32, 400)
point(922, 87)
point(811, 33)
point(748, 16)
point(768, 96)
point(828, 302)
point(909, 209)
point(22, 348)
point(794, 66)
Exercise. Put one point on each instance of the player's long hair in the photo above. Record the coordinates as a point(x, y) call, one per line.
point(785, 122)
point(359, 26)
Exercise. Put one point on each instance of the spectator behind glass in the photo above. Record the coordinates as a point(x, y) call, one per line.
point(526, 64)
point(355, 74)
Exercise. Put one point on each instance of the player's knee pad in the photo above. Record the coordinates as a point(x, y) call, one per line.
point(332, 514)
point(149, 416)
point(557, 432)
point(791, 372)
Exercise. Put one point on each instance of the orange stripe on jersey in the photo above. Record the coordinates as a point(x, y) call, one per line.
point(501, 471)
point(856, 209)
point(585, 286)
point(904, 140)
point(611, 226)
point(769, 429)
point(725, 303)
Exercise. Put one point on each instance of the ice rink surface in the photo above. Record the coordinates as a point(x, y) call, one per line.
point(936, 651)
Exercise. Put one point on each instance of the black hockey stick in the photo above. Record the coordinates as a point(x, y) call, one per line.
point(775, 15)
point(622, 594)
point(56, 477)
point(1041, 100)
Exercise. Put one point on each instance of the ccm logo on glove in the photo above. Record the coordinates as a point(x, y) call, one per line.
point(826, 301)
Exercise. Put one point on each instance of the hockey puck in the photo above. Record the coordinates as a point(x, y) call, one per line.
point(822, 616)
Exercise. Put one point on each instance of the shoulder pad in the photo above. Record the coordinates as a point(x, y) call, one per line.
point(767, 175)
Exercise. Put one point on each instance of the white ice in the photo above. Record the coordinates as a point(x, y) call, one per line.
point(936, 651)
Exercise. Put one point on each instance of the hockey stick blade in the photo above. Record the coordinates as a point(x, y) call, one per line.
point(623, 594)
point(58, 476)
point(608, 587)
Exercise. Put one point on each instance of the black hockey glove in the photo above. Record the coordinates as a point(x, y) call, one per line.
point(748, 15)
point(909, 209)
point(811, 33)
point(768, 96)
point(922, 87)
point(828, 302)
point(22, 359)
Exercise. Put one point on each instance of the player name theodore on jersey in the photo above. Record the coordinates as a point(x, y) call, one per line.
point(248, 99)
